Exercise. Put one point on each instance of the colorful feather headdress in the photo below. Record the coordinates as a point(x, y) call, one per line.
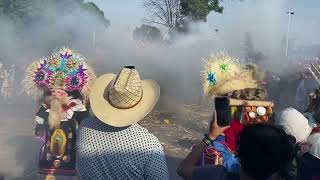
point(222, 74)
point(65, 69)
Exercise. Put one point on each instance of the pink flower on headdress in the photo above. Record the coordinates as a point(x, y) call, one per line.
point(76, 82)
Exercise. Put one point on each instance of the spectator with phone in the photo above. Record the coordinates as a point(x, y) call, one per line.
point(224, 76)
point(263, 150)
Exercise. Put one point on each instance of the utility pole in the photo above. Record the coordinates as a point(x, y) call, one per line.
point(288, 30)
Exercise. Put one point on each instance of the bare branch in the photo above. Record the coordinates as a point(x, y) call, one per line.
point(155, 22)
point(164, 12)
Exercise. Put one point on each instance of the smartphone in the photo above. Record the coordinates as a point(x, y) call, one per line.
point(223, 111)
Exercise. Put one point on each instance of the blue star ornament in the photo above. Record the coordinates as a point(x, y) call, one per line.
point(212, 78)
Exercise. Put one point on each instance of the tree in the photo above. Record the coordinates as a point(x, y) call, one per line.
point(70, 22)
point(177, 14)
point(17, 11)
point(250, 52)
point(27, 12)
point(93, 10)
point(163, 12)
point(198, 10)
point(147, 33)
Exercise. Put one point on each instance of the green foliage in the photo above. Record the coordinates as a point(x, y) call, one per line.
point(198, 10)
point(177, 15)
point(26, 12)
point(16, 10)
point(93, 10)
point(147, 33)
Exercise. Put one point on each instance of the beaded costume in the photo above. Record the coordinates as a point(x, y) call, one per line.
point(67, 70)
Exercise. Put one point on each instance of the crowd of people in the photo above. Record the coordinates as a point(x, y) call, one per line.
point(88, 126)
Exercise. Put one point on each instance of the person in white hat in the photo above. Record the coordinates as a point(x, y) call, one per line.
point(111, 145)
point(297, 126)
point(294, 123)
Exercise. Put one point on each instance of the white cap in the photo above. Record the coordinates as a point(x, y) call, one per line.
point(294, 123)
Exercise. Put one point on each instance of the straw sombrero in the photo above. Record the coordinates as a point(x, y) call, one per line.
point(123, 99)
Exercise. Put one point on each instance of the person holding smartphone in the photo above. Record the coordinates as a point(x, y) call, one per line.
point(263, 150)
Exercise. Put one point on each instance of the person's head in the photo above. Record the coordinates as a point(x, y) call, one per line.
point(294, 123)
point(55, 98)
point(123, 99)
point(64, 71)
point(59, 94)
point(264, 150)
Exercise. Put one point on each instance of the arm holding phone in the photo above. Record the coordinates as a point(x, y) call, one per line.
point(188, 165)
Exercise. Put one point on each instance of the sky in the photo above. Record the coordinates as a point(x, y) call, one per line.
point(256, 16)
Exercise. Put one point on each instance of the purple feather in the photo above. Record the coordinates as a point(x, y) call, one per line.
point(65, 56)
point(81, 70)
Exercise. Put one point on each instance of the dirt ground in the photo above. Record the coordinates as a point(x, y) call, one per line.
point(19, 147)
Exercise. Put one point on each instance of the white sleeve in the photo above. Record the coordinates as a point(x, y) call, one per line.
point(79, 107)
point(39, 120)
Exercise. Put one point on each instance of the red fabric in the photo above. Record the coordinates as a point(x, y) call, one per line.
point(65, 107)
point(232, 134)
point(210, 156)
point(315, 130)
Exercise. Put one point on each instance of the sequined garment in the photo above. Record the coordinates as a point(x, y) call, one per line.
point(57, 153)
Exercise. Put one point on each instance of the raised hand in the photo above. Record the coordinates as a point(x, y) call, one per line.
point(215, 130)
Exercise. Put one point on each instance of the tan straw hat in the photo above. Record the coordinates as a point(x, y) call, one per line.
point(123, 99)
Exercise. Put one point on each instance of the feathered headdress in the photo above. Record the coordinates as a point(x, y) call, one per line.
point(222, 74)
point(65, 69)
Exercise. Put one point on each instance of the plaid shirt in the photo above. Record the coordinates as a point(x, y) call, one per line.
point(105, 152)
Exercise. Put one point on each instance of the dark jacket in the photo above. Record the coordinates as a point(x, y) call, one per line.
point(308, 167)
